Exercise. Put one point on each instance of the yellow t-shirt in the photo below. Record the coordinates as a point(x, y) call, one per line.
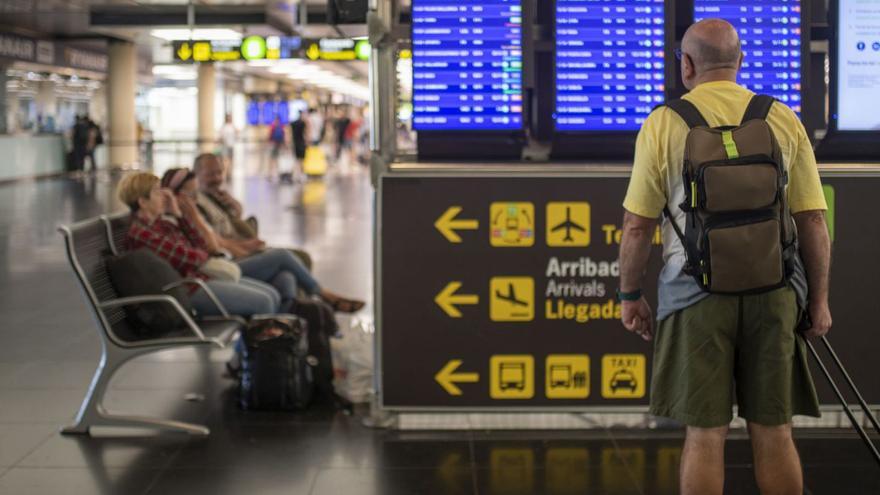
point(656, 175)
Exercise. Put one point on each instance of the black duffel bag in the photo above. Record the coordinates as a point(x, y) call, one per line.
point(275, 370)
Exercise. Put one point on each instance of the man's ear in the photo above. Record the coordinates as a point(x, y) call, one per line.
point(742, 57)
point(688, 64)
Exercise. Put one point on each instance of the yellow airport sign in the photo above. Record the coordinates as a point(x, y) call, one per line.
point(448, 378)
point(449, 301)
point(512, 224)
point(567, 376)
point(184, 52)
point(202, 51)
point(448, 224)
point(512, 299)
point(568, 224)
point(623, 376)
point(512, 376)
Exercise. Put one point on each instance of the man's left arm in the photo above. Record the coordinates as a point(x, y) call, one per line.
point(635, 251)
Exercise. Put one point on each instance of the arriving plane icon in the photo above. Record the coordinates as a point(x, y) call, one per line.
point(568, 225)
point(511, 297)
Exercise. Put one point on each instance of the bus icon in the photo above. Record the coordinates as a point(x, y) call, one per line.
point(513, 376)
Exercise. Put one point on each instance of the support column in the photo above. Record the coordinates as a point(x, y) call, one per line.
point(381, 22)
point(122, 138)
point(207, 86)
point(47, 106)
point(4, 108)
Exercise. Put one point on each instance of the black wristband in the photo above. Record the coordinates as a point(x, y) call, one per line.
point(629, 296)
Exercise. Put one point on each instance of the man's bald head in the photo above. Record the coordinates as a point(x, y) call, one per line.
point(712, 44)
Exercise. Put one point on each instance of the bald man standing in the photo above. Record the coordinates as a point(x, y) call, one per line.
point(712, 348)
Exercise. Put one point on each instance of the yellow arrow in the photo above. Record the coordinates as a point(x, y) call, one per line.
point(184, 52)
point(447, 224)
point(447, 299)
point(447, 377)
point(313, 52)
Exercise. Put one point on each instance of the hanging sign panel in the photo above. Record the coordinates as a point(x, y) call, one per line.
point(467, 65)
point(609, 63)
point(497, 292)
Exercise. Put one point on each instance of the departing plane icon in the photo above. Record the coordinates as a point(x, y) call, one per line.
point(511, 297)
point(568, 225)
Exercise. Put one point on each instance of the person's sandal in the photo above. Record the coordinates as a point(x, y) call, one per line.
point(343, 305)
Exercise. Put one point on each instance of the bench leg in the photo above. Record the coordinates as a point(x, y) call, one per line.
point(92, 413)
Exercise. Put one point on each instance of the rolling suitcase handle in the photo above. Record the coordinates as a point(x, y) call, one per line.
point(840, 397)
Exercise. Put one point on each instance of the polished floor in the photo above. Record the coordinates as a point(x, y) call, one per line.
point(50, 349)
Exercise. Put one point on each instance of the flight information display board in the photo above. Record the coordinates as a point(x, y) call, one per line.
point(770, 32)
point(467, 65)
point(857, 65)
point(609, 63)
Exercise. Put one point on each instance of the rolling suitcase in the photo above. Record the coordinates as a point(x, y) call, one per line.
point(852, 386)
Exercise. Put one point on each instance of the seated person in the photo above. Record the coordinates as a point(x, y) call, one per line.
point(279, 267)
point(224, 213)
point(174, 231)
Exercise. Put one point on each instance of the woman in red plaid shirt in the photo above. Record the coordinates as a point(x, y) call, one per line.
point(175, 231)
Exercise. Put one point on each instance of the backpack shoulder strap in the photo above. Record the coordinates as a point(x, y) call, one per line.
point(688, 112)
point(759, 108)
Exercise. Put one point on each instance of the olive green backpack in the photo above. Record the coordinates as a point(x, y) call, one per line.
point(739, 236)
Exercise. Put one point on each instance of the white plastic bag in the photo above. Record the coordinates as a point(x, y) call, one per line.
point(353, 358)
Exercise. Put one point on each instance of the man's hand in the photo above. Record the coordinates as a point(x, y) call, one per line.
point(187, 207)
point(820, 317)
point(230, 202)
point(253, 245)
point(638, 318)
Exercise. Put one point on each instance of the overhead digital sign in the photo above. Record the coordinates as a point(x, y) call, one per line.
point(857, 65)
point(250, 48)
point(770, 32)
point(467, 65)
point(337, 49)
point(609, 63)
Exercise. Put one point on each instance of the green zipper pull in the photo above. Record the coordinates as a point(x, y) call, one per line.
point(693, 194)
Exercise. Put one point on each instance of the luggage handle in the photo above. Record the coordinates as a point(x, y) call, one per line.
point(864, 405)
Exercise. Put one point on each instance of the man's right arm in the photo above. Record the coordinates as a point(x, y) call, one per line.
point(815, 244)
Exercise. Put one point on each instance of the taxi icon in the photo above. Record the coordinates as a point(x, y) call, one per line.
point(623, 380)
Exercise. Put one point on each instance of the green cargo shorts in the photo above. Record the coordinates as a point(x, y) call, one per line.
point(733, 347)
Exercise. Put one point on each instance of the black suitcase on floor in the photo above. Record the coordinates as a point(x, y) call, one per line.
point(276, 370)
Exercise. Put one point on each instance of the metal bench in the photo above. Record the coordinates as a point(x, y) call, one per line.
point(88, 244)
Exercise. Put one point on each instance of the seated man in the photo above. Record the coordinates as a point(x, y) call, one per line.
point(279, 267)
point(224, 212)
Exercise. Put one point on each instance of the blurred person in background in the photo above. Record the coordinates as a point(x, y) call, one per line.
point(314, 127)
point(298, 129)
point(340, 126)
point(277, 138)
point(95, 139)
point(228, 136)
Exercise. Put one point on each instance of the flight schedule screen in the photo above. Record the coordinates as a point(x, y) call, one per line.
point(467, 65)
point(770, 32)
point(609, 63)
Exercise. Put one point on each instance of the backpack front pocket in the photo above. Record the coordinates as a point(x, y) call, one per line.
point(744, 256)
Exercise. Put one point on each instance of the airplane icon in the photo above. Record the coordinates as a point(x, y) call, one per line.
point(511, 297)
point(568, 225)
